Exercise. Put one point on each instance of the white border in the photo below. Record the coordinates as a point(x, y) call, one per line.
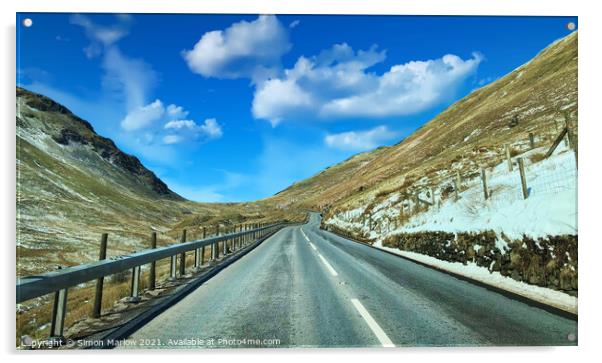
point(589, 132)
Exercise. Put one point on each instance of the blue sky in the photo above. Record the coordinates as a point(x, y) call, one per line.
point(238, 107)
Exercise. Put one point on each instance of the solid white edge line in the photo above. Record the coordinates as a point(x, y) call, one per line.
point(328, 266)
point(376, 329)
point(313, 246)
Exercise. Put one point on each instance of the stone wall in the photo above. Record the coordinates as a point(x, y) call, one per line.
point(549, 262)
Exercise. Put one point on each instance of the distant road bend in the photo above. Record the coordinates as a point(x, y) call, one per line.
point(305, 287)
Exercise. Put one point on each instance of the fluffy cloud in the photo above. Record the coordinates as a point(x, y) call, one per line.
point(180, 124)
point(360, 140)
point(105, 34)
point(245, 49)
point(337, 84)
point(211, 128)
point(174, 111)
point(188, 130)
point(143, 116)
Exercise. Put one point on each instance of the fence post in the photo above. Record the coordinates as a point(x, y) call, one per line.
point(203, 248)
point(571, 136)
point(135, 286)
point(153, 267)
point(432, 197)
point(508, 157)
point(96, 310)
point(216, 243)
point(59, 310)
point(531, 140)
point(484, 179)
point(416, 203)
point(458, 180)
point(523, 179)
point(183, 255)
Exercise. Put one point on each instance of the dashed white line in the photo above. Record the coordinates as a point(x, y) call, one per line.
point(376, 329)
point(328, 266)
point(304, 235)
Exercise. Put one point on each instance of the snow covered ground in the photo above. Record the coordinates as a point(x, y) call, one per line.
point(550, 209)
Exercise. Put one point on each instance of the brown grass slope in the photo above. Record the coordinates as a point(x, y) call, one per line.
point(73, 185)
point(537, 93)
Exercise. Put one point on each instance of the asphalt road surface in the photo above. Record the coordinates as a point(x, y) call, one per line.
point(304, 287)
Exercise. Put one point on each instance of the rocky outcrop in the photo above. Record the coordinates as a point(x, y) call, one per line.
point(68, 129)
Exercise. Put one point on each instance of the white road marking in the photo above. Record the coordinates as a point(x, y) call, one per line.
point(312, 246)
point(304, 235)
point(328, 266)
point(376, 329)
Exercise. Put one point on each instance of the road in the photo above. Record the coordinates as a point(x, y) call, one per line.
point(305, 287)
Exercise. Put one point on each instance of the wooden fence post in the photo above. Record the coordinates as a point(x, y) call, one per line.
point(508, 157)
point(416, 202)
point(432, 198)
point(458, 181)
point(96, 310)
point(153, 267)
point(523, 179)
point(571, 136)
point(484, 179)
point(531, 141)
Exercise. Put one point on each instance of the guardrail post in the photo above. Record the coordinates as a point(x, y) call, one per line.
point(203, 248)
point(225, 243)
point(183, 255)
point(215, 246)
point(96, 310)
point(172, 268)
point(59, 310)
point(153, 266)
point(135, 286)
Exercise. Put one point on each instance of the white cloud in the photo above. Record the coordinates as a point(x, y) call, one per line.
point(337, 83)
point(172, 139)
point(143, 116)
point(360, 140)
point(181, 124)
point(244, 50)
point(105, 34)
point(211, 128)
point(188, 130)
point(130, 79)
point(176, 111)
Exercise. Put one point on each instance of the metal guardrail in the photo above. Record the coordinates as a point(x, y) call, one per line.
point(60, 281)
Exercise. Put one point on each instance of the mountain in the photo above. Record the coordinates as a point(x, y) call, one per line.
point(73, 185)
point(469, 134)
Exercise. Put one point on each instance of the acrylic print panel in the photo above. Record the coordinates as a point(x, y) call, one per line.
point(269, 181)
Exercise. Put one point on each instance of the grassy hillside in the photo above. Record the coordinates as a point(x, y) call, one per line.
point(73, 184)
point(469, 134)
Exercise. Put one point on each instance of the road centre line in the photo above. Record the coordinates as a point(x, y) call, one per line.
point(313, 246)
point(376, 329)
point(328, 265)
